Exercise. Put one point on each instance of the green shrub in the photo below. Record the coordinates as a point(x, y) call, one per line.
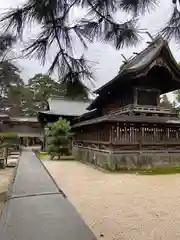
point(43, 155)
point(58, 135)
point(9, 140)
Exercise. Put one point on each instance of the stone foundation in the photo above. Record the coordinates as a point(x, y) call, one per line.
point(128, 159)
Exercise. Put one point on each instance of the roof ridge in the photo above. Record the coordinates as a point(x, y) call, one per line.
point(143, 51)
point(158, 40)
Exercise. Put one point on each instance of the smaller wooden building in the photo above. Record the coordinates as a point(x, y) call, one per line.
point(28, 129)
point(125, 126)
point(61, 107)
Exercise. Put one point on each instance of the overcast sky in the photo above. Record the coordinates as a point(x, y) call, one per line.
point(109, 60)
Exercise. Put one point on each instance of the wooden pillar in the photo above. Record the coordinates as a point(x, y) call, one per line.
point(113, 133)
point(143, 133)
point(177, 135)
point(117, 129)
point(130, 133)
point(98, 133)
point(125, 132)
point(110, 134)
point(169, 133)
point(135, 96)
point(120, 133)
point(158, 100)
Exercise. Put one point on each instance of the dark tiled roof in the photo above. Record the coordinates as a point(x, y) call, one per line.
point(136, 64)
point(139, 61)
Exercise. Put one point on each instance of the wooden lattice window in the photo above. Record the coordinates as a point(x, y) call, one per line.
point(147, 98)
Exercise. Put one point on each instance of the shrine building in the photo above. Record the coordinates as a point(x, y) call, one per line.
point(125, 126)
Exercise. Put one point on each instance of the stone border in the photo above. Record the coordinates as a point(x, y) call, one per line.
point(60, 191)
point(130, 160)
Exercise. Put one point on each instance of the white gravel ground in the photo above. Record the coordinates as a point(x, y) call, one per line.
point(122, 206)
point(5, 179)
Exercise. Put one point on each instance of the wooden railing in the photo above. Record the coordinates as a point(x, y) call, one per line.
point(143, 109)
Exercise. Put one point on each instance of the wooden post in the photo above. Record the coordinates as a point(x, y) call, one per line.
point(117, 131)
point(135, 96)
point(158, 100)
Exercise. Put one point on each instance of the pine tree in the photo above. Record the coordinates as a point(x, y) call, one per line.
point(59, 31)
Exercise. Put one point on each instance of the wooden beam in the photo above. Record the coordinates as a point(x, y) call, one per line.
point(150, 36)
point(125, 59)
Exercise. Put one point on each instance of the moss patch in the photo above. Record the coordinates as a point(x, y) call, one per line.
point(151, 171)
point(43, 155)
point(67, 158)
point(159, 171)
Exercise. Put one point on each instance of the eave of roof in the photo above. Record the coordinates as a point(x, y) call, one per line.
point(56, 114)
point(135, 119)
point(23, 119)
point(4, 116)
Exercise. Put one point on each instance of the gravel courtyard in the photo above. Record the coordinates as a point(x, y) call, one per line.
point(122, 206)
point(5, 179)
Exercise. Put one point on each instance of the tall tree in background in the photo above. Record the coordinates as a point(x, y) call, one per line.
point(173, 106)
point(42, 88)
point(75, 90)
point(165, 103)
point(21, 101)
point(9, 73)
point(9, 79)
point(177, 96)
point(6, 43)
point(9, 76)
point(177, 101)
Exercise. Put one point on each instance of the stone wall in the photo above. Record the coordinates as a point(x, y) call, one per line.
point(128, 159)
point(98, 158)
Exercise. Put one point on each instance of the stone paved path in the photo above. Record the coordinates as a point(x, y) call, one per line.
point(37, 209)
point(122, 206)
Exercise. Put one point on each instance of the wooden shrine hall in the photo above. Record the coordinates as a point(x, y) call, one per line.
point(125, 126)
point(28, 129)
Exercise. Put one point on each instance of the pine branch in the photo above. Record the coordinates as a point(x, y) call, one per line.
point(106, 29)
point(118, 34)
point(172, 27)
point(53, 15)
point(138, 6)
